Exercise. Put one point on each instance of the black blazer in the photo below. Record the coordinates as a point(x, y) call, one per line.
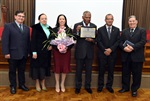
point(83, 48)
point(139, 40)
point(15, 42)
point(104, 42)
point(43, 54)
point(38, 37)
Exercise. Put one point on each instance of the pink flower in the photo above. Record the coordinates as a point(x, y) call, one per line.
point(62, 48)
point(61, 30)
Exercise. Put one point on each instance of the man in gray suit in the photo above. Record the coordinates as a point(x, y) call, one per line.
point(15, 47)
point(84, 53)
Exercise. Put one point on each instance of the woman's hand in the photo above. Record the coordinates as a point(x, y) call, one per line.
point(7, 56)
point(49, 48)
point(34, 56)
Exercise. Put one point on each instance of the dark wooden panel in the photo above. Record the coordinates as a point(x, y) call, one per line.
point(146, 66)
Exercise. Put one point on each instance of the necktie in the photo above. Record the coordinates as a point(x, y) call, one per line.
point(21, 28)
point(109, 32)
point(131, 32)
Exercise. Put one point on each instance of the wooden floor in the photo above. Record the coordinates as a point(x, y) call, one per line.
point(69, 95)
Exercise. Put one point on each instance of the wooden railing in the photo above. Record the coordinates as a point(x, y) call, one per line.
point(146, 65)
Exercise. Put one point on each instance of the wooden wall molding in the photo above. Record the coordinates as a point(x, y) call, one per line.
point(118, 67)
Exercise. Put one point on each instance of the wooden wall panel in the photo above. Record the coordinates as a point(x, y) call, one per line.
point(146, 65)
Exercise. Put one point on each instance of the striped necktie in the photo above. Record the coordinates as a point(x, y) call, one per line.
point(109, 32)
point(131, 32)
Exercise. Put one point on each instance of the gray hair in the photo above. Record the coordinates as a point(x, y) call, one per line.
point(85, 12)
point(132, 16)
point(108, 15)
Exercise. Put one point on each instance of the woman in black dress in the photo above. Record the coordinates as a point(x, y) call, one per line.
point(41, 54)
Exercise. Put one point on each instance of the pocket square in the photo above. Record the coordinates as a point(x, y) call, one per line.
point(128, 42)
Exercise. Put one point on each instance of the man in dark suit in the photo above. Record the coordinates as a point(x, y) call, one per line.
point(84, 53)
point(108, 41)
point(132, 55)
point(15, 47)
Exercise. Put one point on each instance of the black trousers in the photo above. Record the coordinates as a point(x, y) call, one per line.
point(134, 68)
point(80, 64)
point(15, 65)
point(108, 61)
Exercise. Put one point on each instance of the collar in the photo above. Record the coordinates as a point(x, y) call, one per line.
point(108, 26)
point(85, 24)
point(133, 29)
point(18, 23)
point(44, 25)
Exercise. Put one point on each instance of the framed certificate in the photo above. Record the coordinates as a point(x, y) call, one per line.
point(87, 32)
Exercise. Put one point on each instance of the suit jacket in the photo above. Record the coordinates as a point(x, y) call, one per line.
point(104, 42)
point(15, 42)
point(138, 39)
point(83, 48)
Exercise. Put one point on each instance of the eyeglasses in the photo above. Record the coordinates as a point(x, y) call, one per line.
point(21, 16)
point(109, 18)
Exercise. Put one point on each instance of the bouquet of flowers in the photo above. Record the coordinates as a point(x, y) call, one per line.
point(62, 40)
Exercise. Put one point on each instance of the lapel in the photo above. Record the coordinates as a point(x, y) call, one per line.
point(50, 30)
point(135, 31)
point(105, 31)
point(81, 23)
point(41, 30)
point(23, 27)
point(16, 27)
point(112, 32)
point(128, 34)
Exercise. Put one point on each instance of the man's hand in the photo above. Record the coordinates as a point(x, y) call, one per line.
point(7, 56)
point(78, 28)
point(89, 39)
point(34, 56)
point(107, 51)
point(128, 49)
